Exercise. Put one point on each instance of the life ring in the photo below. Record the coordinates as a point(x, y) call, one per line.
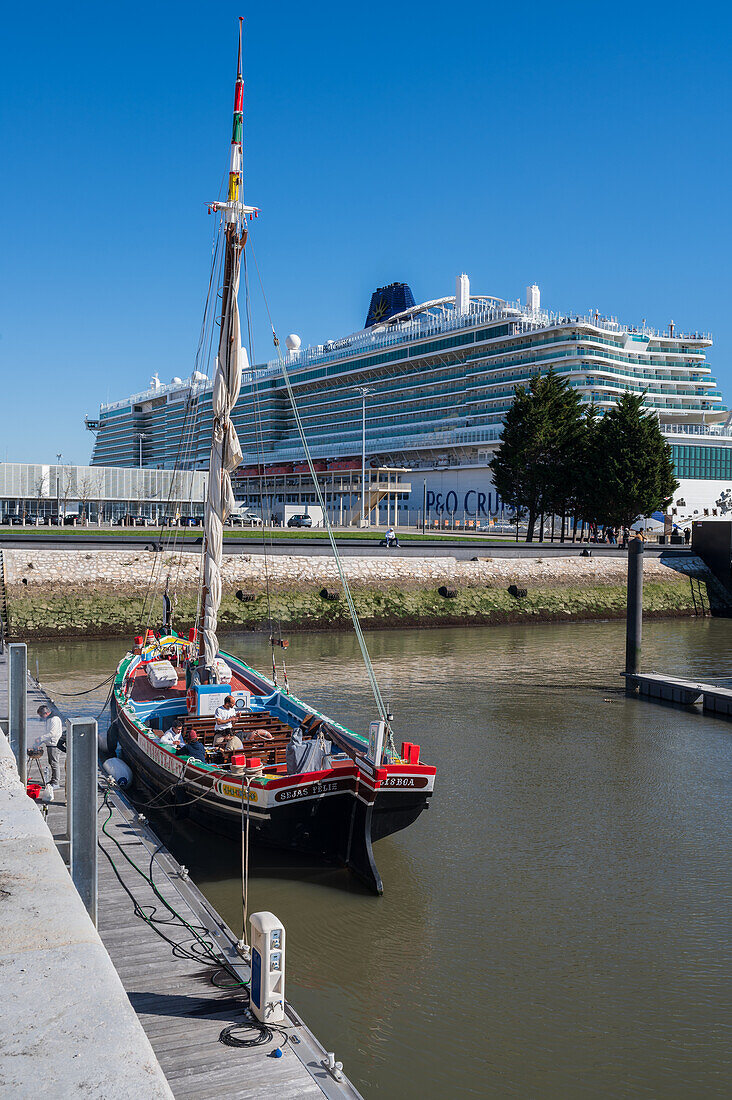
point(191, 700)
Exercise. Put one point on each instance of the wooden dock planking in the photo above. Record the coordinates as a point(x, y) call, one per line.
point(180, 1009)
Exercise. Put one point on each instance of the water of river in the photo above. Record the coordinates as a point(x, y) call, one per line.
point(557, 924)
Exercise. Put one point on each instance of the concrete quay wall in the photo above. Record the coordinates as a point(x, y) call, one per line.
point(62, 593)
point(68, 1026)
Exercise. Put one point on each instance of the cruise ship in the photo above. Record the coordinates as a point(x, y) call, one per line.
point(426, 387)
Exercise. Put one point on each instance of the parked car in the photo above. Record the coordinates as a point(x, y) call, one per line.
point(501, 528)
point(300, 520)
point(129, 520)
point(245, 519)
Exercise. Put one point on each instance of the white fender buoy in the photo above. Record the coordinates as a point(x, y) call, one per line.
point(120, 772)
point(107, 739)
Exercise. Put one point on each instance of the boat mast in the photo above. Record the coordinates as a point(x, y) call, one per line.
point(225, 452)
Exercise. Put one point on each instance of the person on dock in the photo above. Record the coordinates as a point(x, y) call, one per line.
point(192, 746)
point(390, 537)
point(173, 736)
point(49, 739)
point(224, 716)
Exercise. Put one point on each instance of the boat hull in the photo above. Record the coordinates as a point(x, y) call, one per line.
point(334, 815)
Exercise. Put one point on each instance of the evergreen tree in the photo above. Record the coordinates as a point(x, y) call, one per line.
point(586, 492)
point(565, 443)
point(514, 464)
point(634, 471)
point(540, 441)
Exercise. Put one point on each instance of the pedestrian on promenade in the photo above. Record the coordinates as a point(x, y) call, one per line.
point(626, 538)
point(49, 739)
point(687, 535)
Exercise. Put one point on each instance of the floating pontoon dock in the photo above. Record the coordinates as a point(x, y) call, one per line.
point(180, 1008)
point(713, 695)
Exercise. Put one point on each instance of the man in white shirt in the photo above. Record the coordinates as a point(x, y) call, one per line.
point(174, 736)
point(224, 716)
point(49, 738)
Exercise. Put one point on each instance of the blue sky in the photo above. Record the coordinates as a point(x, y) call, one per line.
point(584, 147)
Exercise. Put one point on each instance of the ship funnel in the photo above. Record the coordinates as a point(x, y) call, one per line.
point(462, 294)
point(533, 297)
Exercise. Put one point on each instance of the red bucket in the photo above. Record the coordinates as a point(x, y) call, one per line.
point(34, 790)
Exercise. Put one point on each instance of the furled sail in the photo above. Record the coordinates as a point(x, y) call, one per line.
point(225, 450)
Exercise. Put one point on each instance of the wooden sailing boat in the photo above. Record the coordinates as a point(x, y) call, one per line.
point(304, 781)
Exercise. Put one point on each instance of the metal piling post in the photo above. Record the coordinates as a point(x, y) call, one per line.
point(634, 614)
point(81, 792)
point(18, 705)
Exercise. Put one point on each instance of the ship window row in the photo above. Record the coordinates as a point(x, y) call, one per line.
point(318, 405)
point(411, 348)
point(702, 462)
point(519, 373)
point(391, 387)
point(412, 351)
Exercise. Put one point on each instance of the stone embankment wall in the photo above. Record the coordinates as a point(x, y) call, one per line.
point(65, 593)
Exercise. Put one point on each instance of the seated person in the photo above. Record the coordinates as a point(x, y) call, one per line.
point(192, 746)
point(224, 716)
point(230, 744)
point(174, 736)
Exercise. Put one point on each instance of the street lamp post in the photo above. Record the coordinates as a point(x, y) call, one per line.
point(364, 391)
point(58, 487)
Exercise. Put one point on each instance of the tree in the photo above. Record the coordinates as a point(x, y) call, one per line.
point(41, 487)
point(634, 471)
point(89, 489)
point(540, 441)
point(585, 500)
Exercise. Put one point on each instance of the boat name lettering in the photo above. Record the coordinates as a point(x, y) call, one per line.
point(306, 792)
point(404, 781)
point(160, 756)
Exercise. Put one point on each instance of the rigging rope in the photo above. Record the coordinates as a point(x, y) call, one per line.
point(339, 565)
point(261, 475)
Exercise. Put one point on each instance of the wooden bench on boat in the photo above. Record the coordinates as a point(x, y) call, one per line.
point(271, 751)
point(244, 724)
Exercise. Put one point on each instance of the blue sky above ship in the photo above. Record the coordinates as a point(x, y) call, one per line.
point(584, 149)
